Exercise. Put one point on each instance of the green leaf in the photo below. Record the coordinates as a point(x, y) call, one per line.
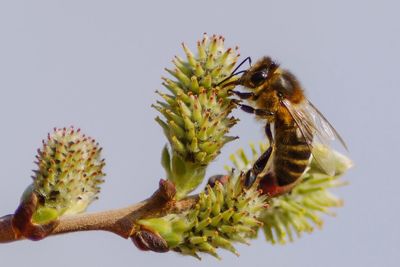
point(45, 215)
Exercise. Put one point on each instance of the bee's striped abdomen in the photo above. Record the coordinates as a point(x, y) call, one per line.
point(292, 155)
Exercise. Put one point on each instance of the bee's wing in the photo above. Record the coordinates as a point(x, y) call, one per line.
point(316, 129)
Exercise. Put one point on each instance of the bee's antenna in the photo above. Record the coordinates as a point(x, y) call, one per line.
point(234, 73)
point(240, 64)
point(239, 72)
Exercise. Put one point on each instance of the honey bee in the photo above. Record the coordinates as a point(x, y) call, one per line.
point(297, 124)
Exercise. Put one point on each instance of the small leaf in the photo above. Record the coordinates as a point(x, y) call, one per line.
point(44, 215)
point(166, 160)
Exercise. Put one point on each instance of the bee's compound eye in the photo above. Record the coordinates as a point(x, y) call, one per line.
point(259, 77)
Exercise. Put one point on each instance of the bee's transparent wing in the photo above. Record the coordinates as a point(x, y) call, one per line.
point(316, 130)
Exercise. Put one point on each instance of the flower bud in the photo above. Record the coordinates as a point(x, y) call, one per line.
point(146, 239)
point(219, 219)
point(67, 180)
point(196, 112)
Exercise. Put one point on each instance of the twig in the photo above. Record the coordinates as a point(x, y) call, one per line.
point(118, 221)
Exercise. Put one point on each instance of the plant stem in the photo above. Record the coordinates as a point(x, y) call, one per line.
point(118, 221)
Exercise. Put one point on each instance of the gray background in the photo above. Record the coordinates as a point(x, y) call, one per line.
point(96, 64)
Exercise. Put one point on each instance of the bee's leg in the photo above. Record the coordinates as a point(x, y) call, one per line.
point(243, 95)
point(257, 168)
point(258, 112)
point(249, 178)
point(262, 161)
point(223, 179)
point(268, 132)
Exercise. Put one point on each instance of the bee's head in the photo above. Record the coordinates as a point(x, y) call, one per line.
point(258, 74)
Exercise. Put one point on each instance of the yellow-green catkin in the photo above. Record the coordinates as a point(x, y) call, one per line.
point(299, 211)
point(196, 111)
point(69, 174)
point(224, 214)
